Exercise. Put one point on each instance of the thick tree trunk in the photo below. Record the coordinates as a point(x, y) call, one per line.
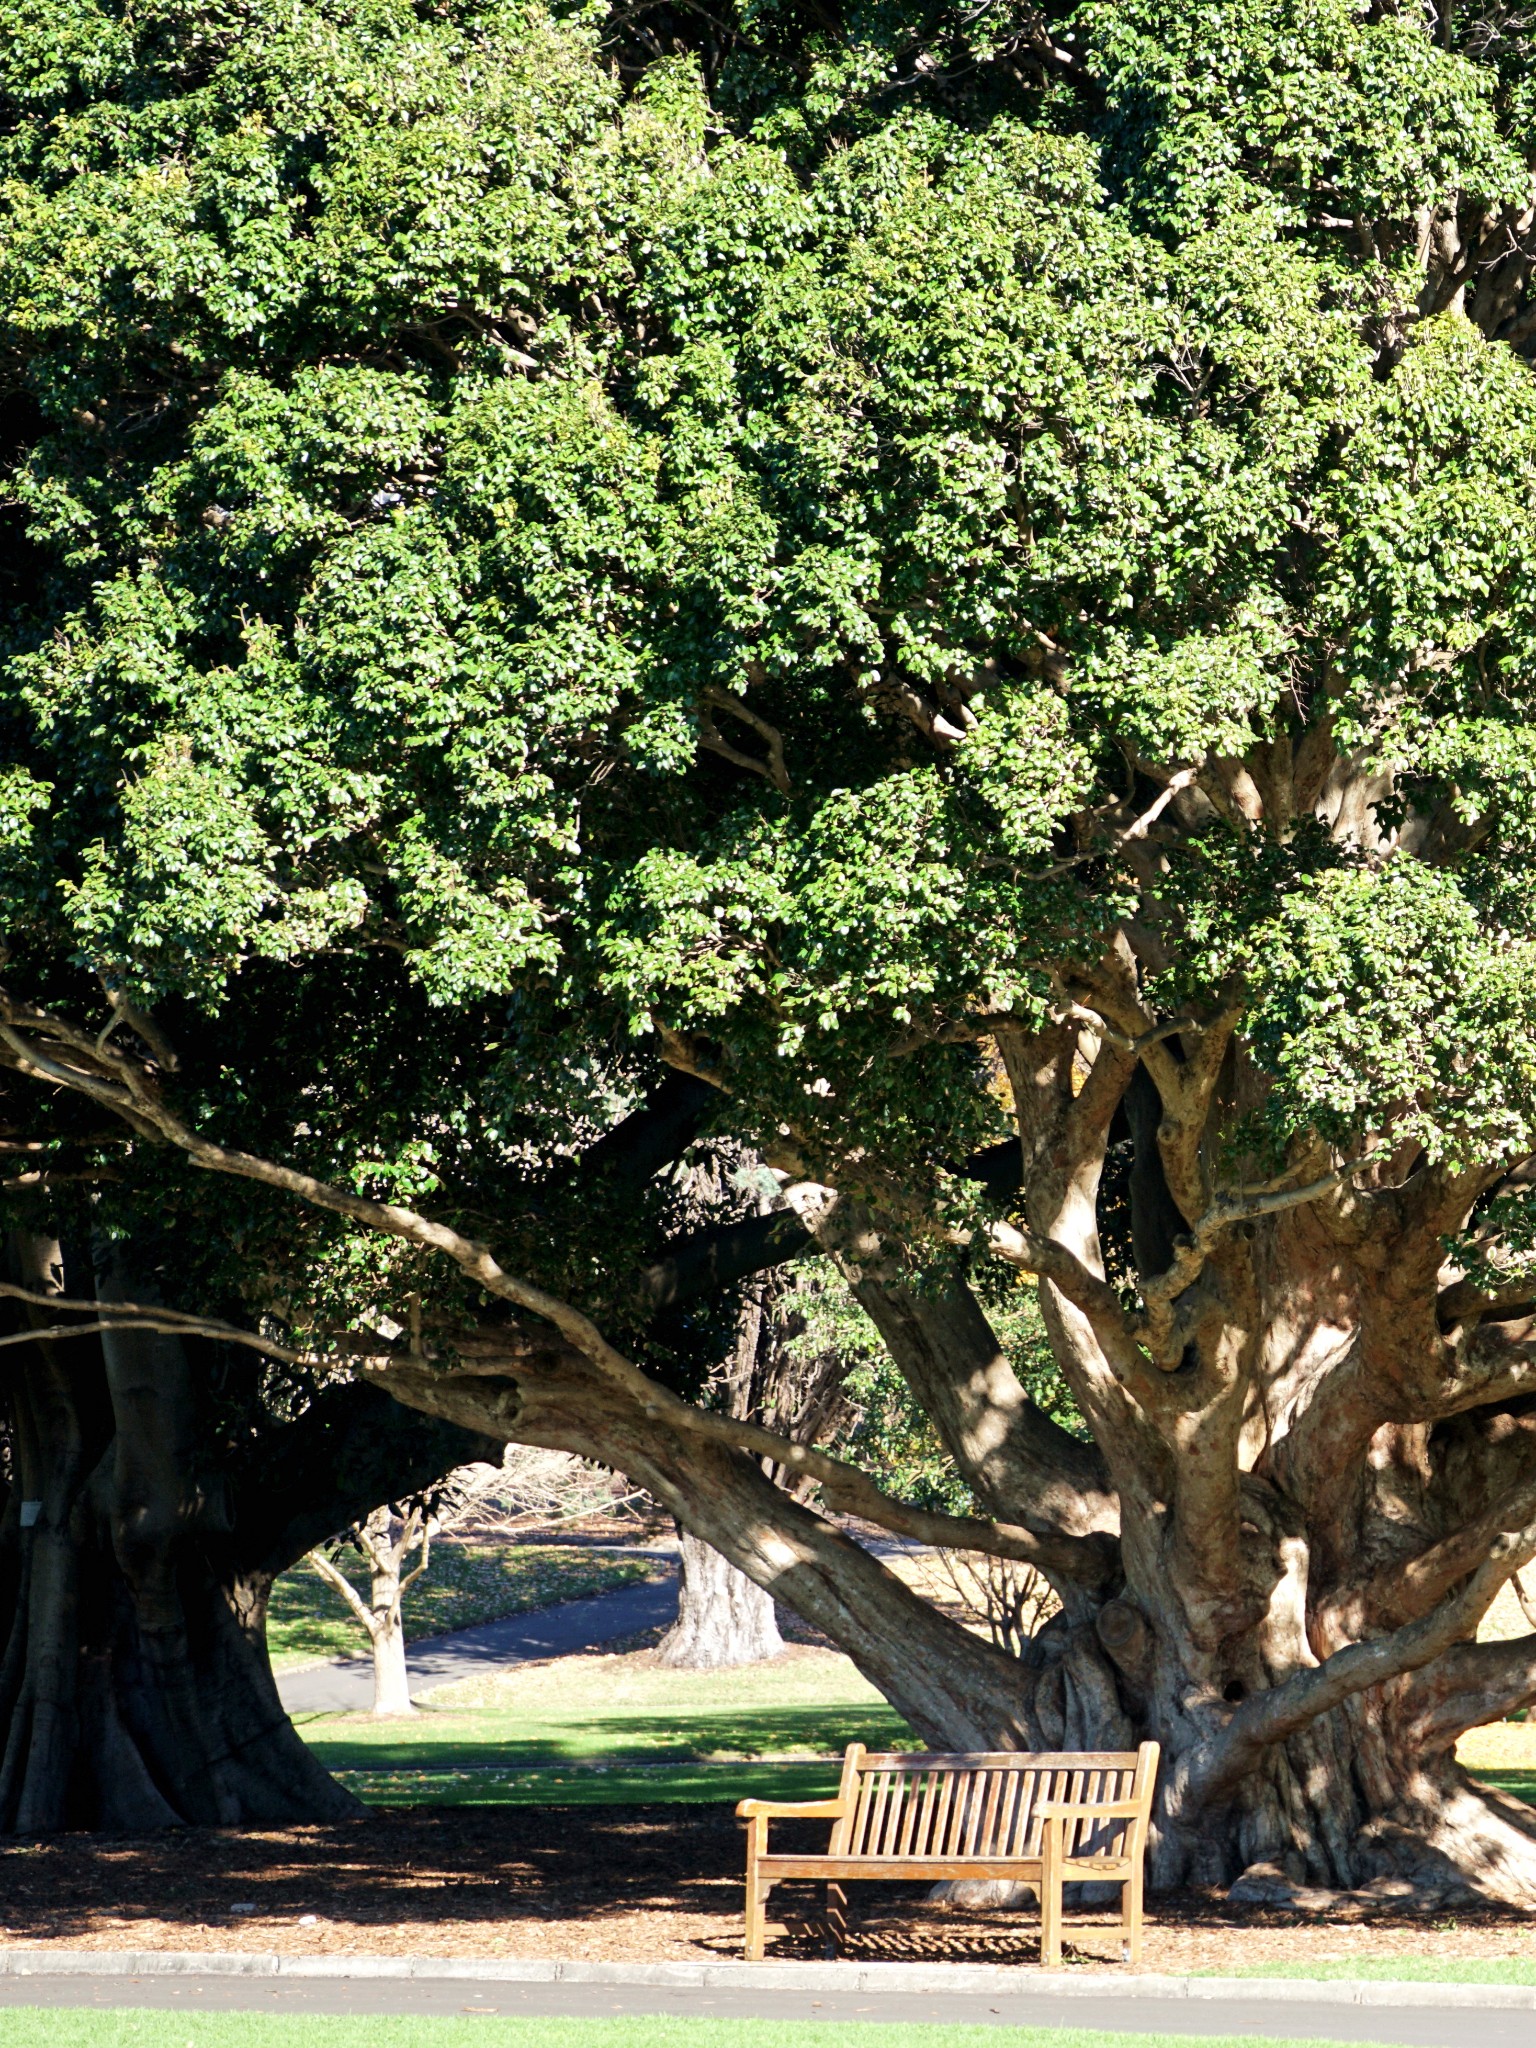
point(134, 1688)
point(723, 1618)
point(1313, 1464)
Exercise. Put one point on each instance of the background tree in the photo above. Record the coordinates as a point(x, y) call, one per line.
point(395, 1543)
point(957, 581)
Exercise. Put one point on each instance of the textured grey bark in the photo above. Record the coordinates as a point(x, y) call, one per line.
point(723, 1617)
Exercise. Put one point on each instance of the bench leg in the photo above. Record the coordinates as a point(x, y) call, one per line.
point(835, 1914)
point(1050, 1895)
point(1130, 1918)
point(757, 1890)
point(757, 1917)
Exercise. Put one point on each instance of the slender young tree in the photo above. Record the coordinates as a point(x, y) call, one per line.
point(387, 1539)
point(948, 581)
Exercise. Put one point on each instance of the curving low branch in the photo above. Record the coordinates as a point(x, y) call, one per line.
point(1472, 1684)
point(134, 1315)
point(1401, 1592)
point(110, 1076)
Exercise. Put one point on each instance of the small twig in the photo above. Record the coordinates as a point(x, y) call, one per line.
point(133, 1315)
point(773, 769)
point(1137, 829)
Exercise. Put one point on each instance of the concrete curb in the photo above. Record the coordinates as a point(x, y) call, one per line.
point(981, 1979)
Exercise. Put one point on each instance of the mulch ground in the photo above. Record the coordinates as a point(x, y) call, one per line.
point(611, 1884)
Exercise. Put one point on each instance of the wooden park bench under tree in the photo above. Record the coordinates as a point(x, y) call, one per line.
point(1064, 1818)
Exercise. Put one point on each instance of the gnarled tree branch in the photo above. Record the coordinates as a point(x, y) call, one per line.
point(1210, 1770)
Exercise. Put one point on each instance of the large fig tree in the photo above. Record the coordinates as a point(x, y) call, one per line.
point(960, 579)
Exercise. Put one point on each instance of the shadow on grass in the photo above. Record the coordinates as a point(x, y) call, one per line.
point(1521, 1783)
point(744, 1733)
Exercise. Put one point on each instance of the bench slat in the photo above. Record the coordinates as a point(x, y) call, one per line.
point(868, 1841)
point(938, 1839)
point(924, 1867)
point(911, 1807)
point(1033, 1760)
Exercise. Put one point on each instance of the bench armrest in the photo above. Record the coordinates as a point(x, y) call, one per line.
point(802, 1809)
point(1090, 1809)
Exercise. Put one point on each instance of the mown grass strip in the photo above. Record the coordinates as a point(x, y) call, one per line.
point(1395, 1969)
point(595, 1784)
point(24, 2028)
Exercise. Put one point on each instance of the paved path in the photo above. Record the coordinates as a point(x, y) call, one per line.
point(1403, 2026)
point(345, 1685)
point(520, 1639)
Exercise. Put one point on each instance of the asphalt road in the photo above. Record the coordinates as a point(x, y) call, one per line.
point(520, 1639)
point(1406, 2026)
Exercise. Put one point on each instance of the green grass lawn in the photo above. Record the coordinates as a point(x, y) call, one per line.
point(595, 1730)
point(465, 1584)
point(609, 1730)
point(1396, 1969)
point(1521, 1783)
point(22, 2028)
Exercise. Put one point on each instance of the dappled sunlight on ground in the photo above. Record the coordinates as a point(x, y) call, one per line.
point(622, 1883)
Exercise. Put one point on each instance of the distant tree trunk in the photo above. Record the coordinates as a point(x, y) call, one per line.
point(722, 1617)
point(391, 1685)
point(387, 1538)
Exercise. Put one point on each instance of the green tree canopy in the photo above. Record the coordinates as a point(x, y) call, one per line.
point(947, 576)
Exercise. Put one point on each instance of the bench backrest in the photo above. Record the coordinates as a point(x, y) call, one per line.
point(987, 1806)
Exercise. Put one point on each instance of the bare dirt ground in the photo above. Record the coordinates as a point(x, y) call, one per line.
point(610, 1884)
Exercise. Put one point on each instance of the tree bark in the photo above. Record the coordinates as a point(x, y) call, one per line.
point(391, 1686)
point(1349, 1783)
point(135, 1689)
point(723, 1617)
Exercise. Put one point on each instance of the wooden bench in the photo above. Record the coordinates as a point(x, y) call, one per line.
point(1068, 1817)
